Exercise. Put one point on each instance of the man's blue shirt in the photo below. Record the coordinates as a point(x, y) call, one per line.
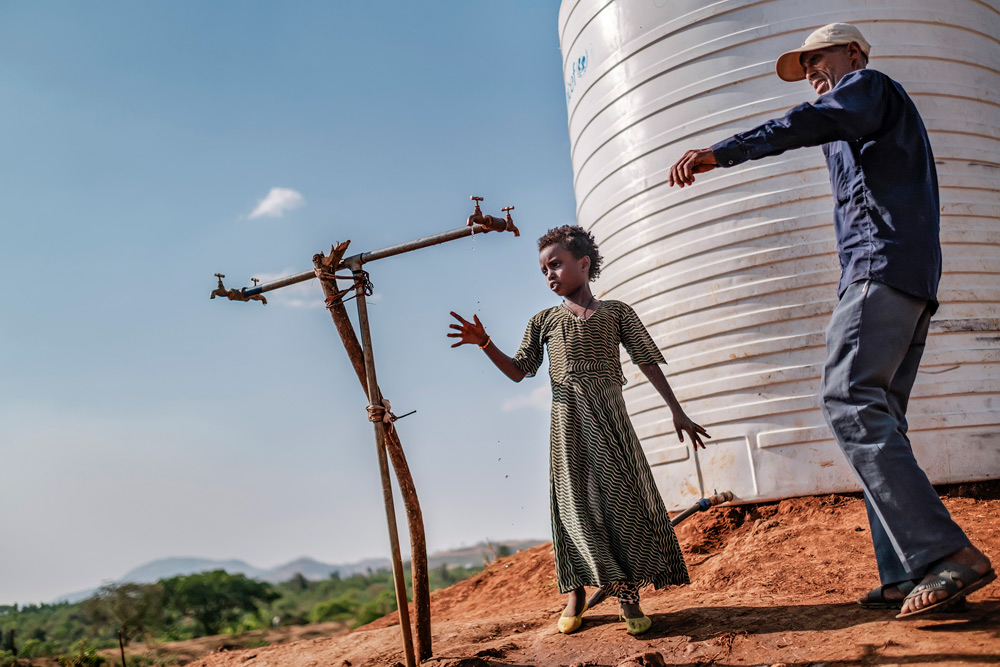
point(886, 215)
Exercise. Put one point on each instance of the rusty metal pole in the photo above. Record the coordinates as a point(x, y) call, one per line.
point(375, 398)
point(407, 489)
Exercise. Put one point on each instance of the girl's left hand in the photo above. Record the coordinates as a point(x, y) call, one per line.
point(683, 423)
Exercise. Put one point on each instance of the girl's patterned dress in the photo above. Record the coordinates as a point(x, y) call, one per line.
point(609, 525)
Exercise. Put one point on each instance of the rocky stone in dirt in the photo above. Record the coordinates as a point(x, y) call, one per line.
point(459, 662)
point(644, 660)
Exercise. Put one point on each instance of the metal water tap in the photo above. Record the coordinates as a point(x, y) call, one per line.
point(235, 294)
point(477, 215)
point(510, 221)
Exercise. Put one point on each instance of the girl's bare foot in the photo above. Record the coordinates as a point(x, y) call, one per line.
point(970, 557)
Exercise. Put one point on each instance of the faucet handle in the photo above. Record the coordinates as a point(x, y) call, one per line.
point(510, 221)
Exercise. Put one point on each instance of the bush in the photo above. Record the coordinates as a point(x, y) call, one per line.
point(82, 655)
point(340, 608)
point(7, 659)
point(384, 604)
point(34, 648)
point(293, 619)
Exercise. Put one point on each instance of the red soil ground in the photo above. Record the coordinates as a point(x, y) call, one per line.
point(771, 584)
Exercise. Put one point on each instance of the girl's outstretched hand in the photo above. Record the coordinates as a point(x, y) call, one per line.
point(683, 423)
point(469, 332)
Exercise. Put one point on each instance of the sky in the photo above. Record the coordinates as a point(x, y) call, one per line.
point(148, 146)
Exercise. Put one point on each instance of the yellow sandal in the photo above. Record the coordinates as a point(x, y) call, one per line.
point(637, 626)
point(570, 624)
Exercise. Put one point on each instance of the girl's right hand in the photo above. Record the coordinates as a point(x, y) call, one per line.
point(469, 332)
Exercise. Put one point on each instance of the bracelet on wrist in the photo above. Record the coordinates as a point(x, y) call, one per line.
point(485, 343)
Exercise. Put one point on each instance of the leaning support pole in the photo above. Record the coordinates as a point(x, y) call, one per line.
point(375, 398)
point(383, 465)
point(414, 516)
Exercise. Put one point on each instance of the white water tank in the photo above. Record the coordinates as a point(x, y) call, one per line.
point(736, 276)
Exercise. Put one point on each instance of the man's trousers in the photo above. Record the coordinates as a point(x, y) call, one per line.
point(874, 343)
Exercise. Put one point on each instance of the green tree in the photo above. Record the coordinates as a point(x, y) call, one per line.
point(215, 599)
point(132, 608)
point(298, 582)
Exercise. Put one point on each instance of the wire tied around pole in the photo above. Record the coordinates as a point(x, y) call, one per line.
point(362, 277)
point(383, 413)
point(338, 297)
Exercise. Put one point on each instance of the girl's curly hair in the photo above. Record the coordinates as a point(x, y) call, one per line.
point(578, 241)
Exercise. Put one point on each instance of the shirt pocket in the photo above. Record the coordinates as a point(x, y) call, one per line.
point(840, 164)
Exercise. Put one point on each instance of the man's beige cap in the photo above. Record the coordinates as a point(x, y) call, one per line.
point(788, 67)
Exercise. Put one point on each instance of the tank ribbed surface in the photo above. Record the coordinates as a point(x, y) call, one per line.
point(736, 276)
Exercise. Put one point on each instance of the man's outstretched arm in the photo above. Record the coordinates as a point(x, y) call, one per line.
point(853, 110)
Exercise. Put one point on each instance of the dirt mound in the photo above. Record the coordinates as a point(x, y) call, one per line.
point(771, 583)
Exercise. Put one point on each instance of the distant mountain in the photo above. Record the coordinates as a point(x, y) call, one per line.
point(477, 554)
point(313, 569)
point(79, 596)
point(309, 568)
point(166, 568)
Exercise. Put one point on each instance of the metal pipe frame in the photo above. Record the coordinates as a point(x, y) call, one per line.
point(481, 224)
point(495, 225)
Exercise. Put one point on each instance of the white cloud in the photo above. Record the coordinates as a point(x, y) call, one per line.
point(539, 398)
point(277, 201)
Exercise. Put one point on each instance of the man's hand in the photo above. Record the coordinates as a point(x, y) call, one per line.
point(683, 423)
point(469, 332)
point(693, 162)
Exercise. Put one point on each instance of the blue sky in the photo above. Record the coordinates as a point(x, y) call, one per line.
point(138, 418)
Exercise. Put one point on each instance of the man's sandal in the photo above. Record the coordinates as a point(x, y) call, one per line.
point(875, 598)
point(954, 579)
point(570, 624)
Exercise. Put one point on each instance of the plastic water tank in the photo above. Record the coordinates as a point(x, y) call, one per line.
point(736, 276)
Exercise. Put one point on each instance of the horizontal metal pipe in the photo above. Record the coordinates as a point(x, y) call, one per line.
point(279, 283)
point(443, 237)
point(391, 251)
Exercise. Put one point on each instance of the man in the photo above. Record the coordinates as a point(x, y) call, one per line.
point(886, 219)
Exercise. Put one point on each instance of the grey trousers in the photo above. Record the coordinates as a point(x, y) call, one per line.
point(874, 343)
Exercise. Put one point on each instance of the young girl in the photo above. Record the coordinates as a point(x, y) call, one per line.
point(609, 526)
